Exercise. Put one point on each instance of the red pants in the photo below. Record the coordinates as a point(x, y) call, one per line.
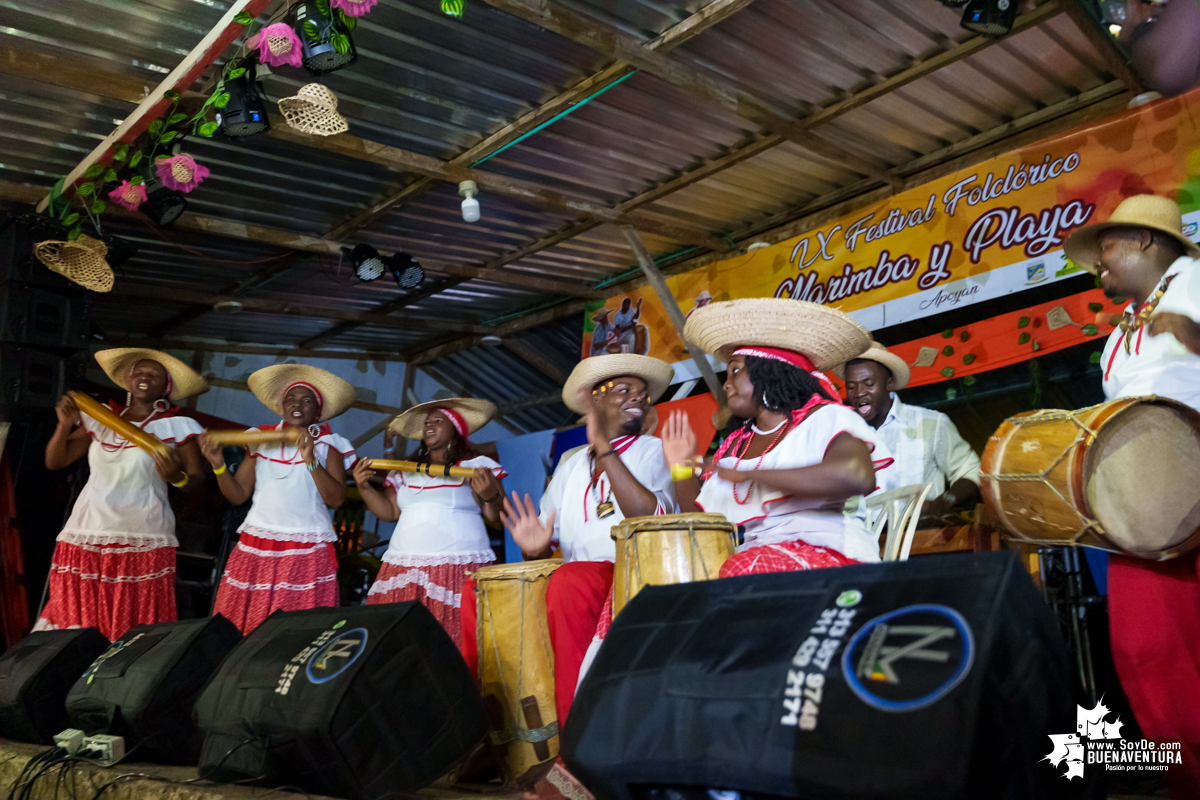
point(1154, 622)
point(574, 599)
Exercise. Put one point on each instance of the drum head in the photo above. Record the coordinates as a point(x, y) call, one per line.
point(1141, 477)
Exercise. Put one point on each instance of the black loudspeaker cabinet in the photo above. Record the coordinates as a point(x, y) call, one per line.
point(358, 702)
point(32, 377)
point(941, 677)
point(35, 675)
point(20, 231)
point(145, 685)
point(41, 317)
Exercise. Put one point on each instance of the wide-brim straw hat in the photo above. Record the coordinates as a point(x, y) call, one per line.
point(117, 363)
point(587, 373)
point(827, 336)
point(1140, 211)
point(476, 413)
point(270, 383)
point(879, 354)
point(313, 109)
point(83, 261)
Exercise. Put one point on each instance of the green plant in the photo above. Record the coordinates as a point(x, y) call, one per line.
point(325, 30)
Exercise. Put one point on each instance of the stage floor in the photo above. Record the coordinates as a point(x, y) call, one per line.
point(156, 782)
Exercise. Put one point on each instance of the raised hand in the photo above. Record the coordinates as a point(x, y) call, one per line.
point(527, 530)
point(211, 450)
point(305, 445)
point(679, 440)
point(389, 441)
point(486, 485)
point(67, 411)
point(362, 471)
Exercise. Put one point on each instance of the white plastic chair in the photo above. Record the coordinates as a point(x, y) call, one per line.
point(899, 510)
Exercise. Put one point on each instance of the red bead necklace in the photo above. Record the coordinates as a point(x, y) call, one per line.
point(750, 440)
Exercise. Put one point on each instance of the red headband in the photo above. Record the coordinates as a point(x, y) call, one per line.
point(456, 419)
point(316, 393)
point(793, 357)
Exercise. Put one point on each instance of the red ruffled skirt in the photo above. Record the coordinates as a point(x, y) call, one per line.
point(438, 587)
point(263, 576)
point(111, 587)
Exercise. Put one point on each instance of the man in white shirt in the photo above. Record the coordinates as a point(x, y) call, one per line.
point(926, 446)
point(621, 474)
point(1153, 606)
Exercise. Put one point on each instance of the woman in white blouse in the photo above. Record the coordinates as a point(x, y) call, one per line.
point(441, 536)
point(114, 565)
point(285, 557)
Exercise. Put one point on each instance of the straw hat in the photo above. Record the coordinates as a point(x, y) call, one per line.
point(587, 373)
point(1140, 211)
point(118, 362)
point(313, 109)
point(476, 413)
point(83, 261)
point(879, 354)
point(270, 383)
point(827, 336)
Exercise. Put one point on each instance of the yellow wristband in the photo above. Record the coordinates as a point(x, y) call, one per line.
point(681, 472)
point(219, 470)
point(182, 483)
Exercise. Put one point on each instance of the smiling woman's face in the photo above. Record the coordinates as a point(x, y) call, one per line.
point(148, 380)
point(300, 407)
point(438, 430)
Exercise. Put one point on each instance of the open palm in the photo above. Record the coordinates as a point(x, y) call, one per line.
point(521, 519)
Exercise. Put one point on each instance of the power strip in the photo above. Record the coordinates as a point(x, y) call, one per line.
point(104, 750)
point(70, 740)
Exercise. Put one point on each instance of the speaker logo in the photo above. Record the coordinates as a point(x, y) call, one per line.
point(336, 655)
point(113, 649)
point(909, 658)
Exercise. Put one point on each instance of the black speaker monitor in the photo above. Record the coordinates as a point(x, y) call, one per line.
point(940, 677)
point(353, 702)
point(35, 676)
point(144, 687)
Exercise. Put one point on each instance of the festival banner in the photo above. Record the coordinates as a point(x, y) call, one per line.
point(979, 233)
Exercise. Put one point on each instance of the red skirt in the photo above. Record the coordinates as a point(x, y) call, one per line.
point(438, 587)
point(111, 587)
point(263, 576)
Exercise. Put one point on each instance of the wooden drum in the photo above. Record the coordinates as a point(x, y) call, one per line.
point(676, 548)
point(1120, 476)
point(516, 666)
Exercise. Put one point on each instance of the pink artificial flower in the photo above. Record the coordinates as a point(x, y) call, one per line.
point(128, 195)
point(278, 45)
point(354, 8)
point(180, 172)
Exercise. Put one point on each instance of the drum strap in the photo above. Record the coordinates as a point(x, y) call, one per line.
point(542, 734)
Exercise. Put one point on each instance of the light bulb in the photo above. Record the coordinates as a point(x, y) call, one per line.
point(470, 209)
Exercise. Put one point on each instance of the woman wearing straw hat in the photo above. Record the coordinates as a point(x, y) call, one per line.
point(441, 536)
point(114, 565)
point(797, 454)
point(284, 557)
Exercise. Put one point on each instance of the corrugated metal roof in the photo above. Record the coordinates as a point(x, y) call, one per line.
point(436, 87)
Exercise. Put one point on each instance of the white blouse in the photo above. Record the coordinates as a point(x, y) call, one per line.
point(440, 522)
point(287, 505)
point(771, 517)
point(125, 499)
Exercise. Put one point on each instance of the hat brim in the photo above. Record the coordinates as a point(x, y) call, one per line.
point(828, 337)
point(587, 373)
point(117, 362)
point(894, 363)
point(270, 383)
point(1083, 246)
point(475, 412)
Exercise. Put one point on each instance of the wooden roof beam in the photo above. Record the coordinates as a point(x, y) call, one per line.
point(1115, 59)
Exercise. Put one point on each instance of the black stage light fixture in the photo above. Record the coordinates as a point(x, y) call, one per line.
point(990, 17)
point(954, 3)
point(368, 264)
point(405, 269)
point(246, 112)
point(163, 206)
point(319, 37)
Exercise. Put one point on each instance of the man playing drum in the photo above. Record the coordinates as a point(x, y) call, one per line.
point(926, 446)
point(1154, 606)
point(621, 474)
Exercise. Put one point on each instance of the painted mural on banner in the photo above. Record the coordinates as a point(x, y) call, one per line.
point(980, 233)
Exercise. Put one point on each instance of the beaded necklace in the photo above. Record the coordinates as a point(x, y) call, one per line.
point(782, 428)
point(1133, 321)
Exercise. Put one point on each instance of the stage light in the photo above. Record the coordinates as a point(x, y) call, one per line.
point(162, 205)
point(954, 3)
point(990, 17)
point(368, 264)
point(470, 206)
point(405, 269)
point(320, 36)
point(246, 112)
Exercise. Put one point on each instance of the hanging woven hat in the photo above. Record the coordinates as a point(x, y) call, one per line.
point(1140, 211)
point(82, 261)
point(313, 109)
point(879, 354)
point(270, 384)
point(472, 414)
point(587, 373)
point(118, 362)
point(826, 336)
